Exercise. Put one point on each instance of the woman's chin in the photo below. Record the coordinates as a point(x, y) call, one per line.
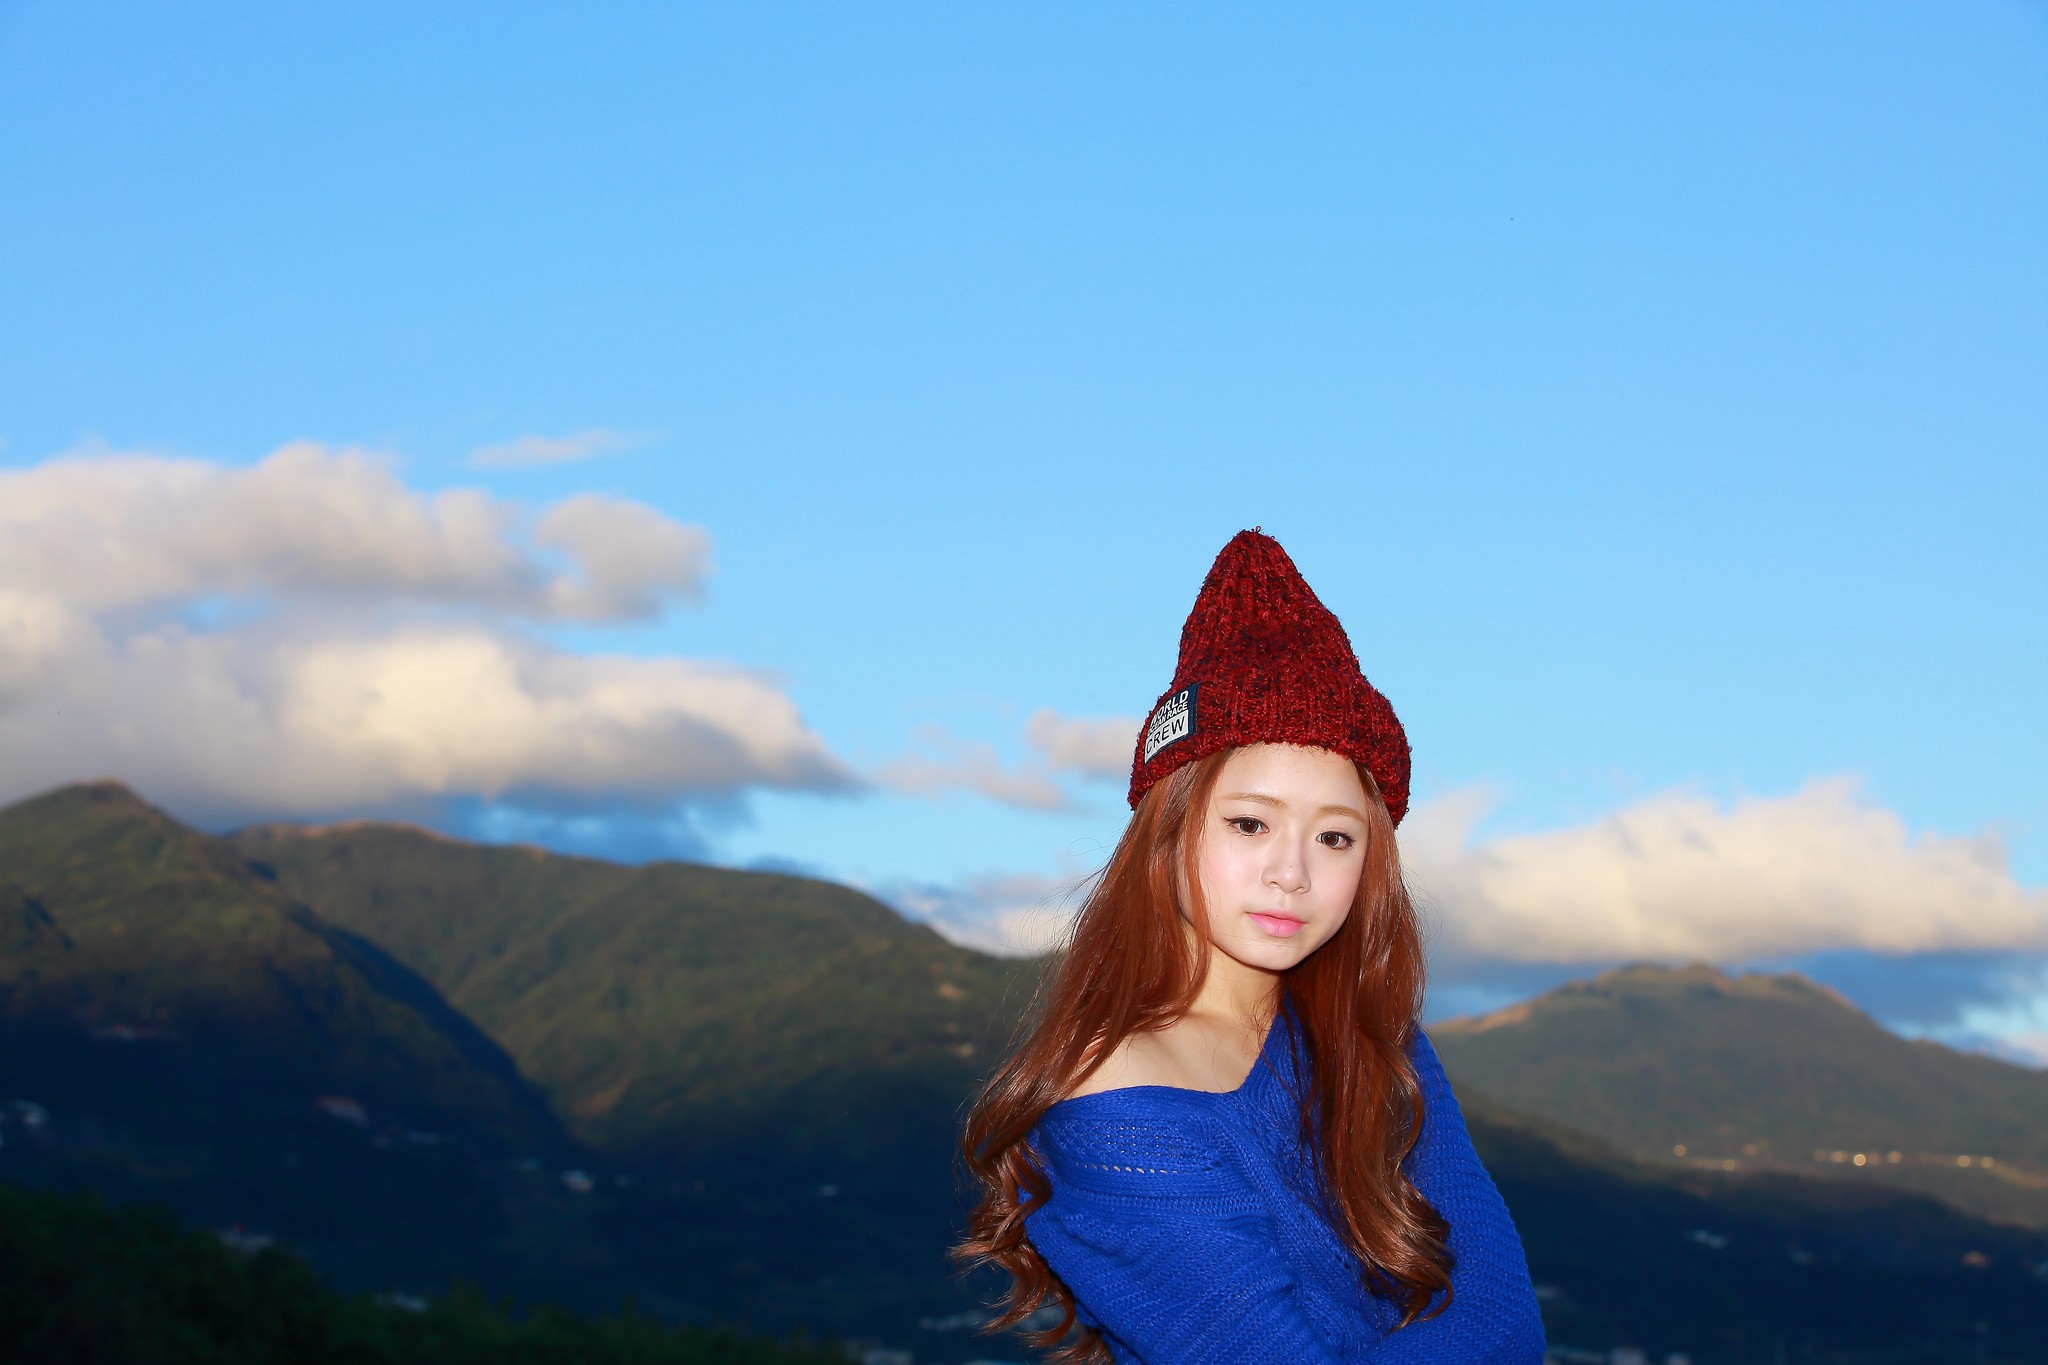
point(1266, 954)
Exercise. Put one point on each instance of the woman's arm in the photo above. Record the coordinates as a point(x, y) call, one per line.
point(1165, 1248)
point(1176, 1261)
point(1178, 1288)
point(1493, 1316)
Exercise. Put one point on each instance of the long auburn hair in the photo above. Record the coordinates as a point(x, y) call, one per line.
point(1131, 965)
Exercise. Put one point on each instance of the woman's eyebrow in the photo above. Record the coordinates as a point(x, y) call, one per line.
point(1265, 800)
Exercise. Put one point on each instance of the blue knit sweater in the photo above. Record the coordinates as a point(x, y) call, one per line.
point(1176, 1220)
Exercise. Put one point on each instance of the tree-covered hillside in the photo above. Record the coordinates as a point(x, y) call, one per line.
point(736, 1095)
point(1739, 1267)
point(83, 1284)
point(148, 968)
point(1764, 1072)
point(674, 1010)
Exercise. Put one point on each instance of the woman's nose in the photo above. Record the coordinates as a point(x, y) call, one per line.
point(1288, 875)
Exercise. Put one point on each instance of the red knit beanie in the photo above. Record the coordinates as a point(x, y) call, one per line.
point(1262, 660)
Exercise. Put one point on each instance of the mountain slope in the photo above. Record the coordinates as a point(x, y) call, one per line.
point(673, 1010)
point(771, 1070)
point(780, 1063)
point(1747, 1267)
point(148, 975)
point(1763, 1072)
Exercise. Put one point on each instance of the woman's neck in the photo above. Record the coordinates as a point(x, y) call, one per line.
point(1233, 992)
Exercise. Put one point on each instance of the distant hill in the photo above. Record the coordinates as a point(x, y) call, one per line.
point(150, 977)
point(1759, 1072)
point(762, 1074)
point(84, 1284)
point(736, 1095)
point(786, 1059)
point(1744, 1267)
point(671, 1011)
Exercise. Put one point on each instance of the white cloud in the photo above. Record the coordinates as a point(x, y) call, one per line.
point(1930, 933)
point(630, 556)
point(528, 452)
point(370, 665)
point(36, 633)
point(2012, 1024)
point(1011, 916)
point(939, 761)
point(248, 724)
point(2028, 1048)
point(948, 763)
point(105, 532)
point(1090, 746)
point(1678, 877)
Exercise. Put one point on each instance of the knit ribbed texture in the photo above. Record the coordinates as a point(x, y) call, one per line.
point(1178, 1220)
point(1263, 661)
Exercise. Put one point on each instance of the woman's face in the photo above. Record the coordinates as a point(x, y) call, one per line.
point(1281, 849)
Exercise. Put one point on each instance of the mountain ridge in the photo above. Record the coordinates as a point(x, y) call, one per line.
point(614, 985)
point(1763, 1071)
point(123, 924)
point(759, 1079)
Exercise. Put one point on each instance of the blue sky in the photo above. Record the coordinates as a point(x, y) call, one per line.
point(1654, 395)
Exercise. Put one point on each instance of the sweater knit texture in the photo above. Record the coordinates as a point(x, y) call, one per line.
point(1180, 1222)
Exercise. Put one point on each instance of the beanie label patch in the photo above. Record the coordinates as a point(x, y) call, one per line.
point(1172, 722)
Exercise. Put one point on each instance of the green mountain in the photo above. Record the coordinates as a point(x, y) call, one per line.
point(758, 1077)
point(1758, 1073)
point(735, 1095)
point(780, 1062)
point(1743, 1267)
point(85, 1284)
point(674, 1012)
point(147, 970)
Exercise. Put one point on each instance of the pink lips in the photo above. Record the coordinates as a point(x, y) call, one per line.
point(1279, 926)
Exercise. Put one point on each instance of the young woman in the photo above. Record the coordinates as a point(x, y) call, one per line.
point(1225, 1138)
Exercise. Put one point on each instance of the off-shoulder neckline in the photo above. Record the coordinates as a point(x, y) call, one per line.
point(1262, 1064)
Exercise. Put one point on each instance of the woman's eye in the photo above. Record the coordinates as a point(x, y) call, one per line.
point(1246, 824)
point(1335, 838)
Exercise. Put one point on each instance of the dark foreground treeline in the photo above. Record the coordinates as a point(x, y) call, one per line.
point(85, 1284)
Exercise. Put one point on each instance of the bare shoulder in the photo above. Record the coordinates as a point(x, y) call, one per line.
point(1140, 1059)
point(1194, 1052)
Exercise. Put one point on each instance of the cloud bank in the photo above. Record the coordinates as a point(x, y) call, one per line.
point(365, 650)
point(1929, 932)
point(1091, 747)
point(1010, 916)
point(532, 452)
point(1677, 877)
point(97, 533)
point(940, 762)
